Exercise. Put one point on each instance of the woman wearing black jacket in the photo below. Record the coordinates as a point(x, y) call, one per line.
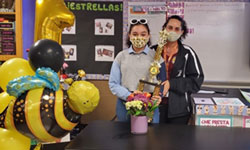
point(181, 73)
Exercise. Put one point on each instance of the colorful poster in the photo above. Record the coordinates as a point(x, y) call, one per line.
point(201, 109)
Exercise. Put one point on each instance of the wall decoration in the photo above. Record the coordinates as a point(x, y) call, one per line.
point(104, 26)
point(70, 52)
point(104, 53)
point(70, 30)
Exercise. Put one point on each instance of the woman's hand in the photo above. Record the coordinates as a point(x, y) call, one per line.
point(156, 98)
point(166, 87)
point(137, 92)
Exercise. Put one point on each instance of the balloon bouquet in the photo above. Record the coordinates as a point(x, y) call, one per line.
point(33, 104)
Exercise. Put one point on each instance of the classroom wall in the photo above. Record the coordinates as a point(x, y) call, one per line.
point(217, 53)
point(28, 17)
point(106, 107)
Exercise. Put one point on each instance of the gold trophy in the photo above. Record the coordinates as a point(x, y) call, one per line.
point(154, 69)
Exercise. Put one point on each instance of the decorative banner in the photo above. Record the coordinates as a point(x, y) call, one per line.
point(175, 8)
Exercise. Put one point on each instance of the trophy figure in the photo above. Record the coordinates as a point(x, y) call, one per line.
point(154, 69)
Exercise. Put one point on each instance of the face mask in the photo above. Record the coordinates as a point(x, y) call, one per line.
point(173, 36)
point(139, 42)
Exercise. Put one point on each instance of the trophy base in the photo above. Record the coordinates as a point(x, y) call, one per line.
point(156, 85)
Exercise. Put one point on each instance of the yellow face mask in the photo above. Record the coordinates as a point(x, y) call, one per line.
point(138, 41)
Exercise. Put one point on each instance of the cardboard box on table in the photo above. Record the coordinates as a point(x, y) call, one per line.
point(218, 111)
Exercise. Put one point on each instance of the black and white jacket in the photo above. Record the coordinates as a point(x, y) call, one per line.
point(186, 78)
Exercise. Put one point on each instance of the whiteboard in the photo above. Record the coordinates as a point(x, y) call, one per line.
point(221, 39)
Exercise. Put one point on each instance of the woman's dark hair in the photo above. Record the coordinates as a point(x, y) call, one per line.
point(183, 25)
point(128, 43)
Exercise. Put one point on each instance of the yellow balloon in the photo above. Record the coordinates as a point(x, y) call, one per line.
point(5, 99)
point(83, 97)
point(12, 140)
point(52, 16)
point(13, 68)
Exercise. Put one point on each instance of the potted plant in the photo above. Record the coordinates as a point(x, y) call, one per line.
point(141, 108)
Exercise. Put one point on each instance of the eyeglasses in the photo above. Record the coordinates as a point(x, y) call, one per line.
point(138, 21)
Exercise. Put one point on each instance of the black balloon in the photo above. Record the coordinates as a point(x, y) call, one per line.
point(46, 53)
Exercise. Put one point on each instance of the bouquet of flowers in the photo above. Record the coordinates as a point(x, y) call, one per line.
point(140, 104)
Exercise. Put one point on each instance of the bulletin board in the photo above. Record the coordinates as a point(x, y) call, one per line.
point(94, 40)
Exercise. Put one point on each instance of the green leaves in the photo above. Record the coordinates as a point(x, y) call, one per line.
point(138, 112)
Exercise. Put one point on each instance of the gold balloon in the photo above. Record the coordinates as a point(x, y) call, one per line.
point(5, 99)
point(12, 140)
point(52, 16)
point(13, 68)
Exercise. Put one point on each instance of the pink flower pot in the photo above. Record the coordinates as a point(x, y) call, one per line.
point(139, 124)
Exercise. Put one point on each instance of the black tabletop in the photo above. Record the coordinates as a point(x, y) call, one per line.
point(116, 135)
